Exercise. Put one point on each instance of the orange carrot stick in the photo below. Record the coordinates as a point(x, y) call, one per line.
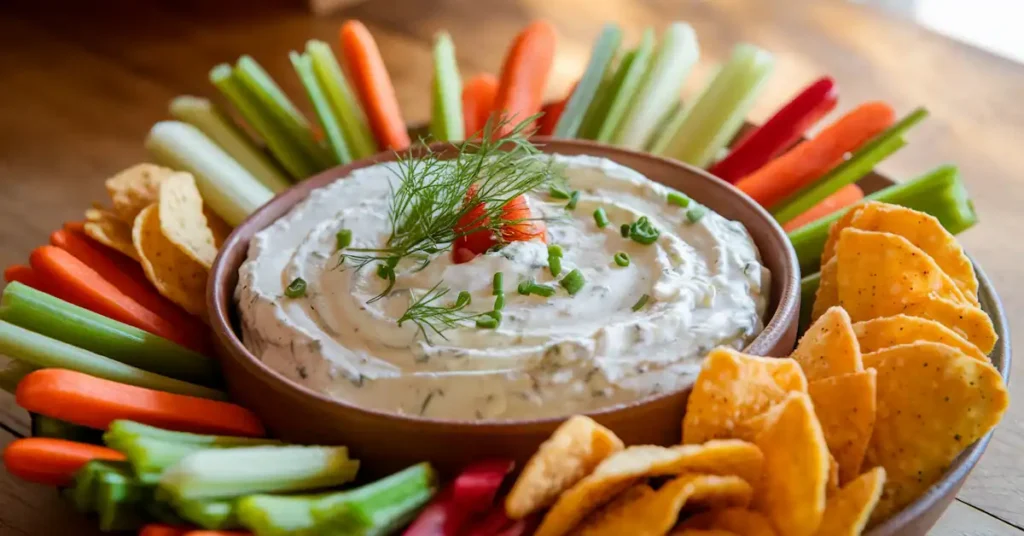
point(478, 101)
point(74, 281)
point(94, 402)
point(51, 461)
point(844, 197)
point(125, 274)
point(159, 529)
point(524, 75)
point(370, 76)
point(75, 226)
point(810, 160)
point(25, 275)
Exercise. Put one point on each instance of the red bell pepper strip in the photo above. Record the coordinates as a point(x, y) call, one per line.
point(777, 134)
point(552, 113)
point(439, 518)
point(496, 523)
point(475, 488)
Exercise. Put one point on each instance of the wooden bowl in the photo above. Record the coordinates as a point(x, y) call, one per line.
point(386, 442)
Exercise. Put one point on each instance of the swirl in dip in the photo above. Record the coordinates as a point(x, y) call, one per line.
point(550, 356)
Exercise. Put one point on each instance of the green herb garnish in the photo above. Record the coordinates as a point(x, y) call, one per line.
point(678, 199)
point(641, 302)
point(498, 284)
point(429, 315)
point(600, 218)
point(643, 232)
point(546, 291)
point(296, 289)
point(622, 259)
point(524, 287)
point(557, 192)
point(499, 302)
point(573, 282)
point(624, 230)
point(555, 259)
point(489, 321)
point(344, 237)
point(573, 199)
point(696, 213)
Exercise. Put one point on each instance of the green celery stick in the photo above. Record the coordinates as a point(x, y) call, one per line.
point(222, 473)
point(285, 115)
point(939, 192)
point(83, 491)
point(231, 191)
point(673, 59)
point(383, 504)
point(44, 352)
point(720, 112)
point(277, 515)
point(52, 317)
point(162, 512)
point(43, 426)
point(598, 109)
point(151, 457)
point(670, 124)
point(860, 164)
point(14, 371)
point(336, 138)
point(212, 121)
point(121, 430)
point(210, 515)
point(446, 122)
point(601, 56)
point(344, 102)
point(280, 145)
point(628, 80)
point(118, 499)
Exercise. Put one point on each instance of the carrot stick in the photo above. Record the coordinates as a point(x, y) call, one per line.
point(159, 529)
point(74, 281)
point(54, 462)
point(524, 74)
point(810, 160)
point(478, 101)
point(125, 274)
point(75, 226)
point(370, 76)
point(94, 402)
point(25, 275)
point(842, 198)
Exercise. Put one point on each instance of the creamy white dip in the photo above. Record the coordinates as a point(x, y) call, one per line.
point(549, 356)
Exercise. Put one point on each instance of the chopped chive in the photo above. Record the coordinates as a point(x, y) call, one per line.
point(643, 232)
point(696, 213)
point(463, 299)
point(554, 250)
point(624, 230)
point(622, 259)
point(600, 217)
point(498, 284)
point(573, 281)
point(296, 289)
point(487, 322)
point(555, 265)
point(558, 193)
point(573, 199)
point(344, 238)
point(641, 302)
point(678, 199)
point(546, 291)
point(524, 287)
point(499, 302)
point(384, 271)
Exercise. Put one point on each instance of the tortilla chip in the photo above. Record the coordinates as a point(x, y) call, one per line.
point(107, 229)
point(628, 467)
point(136, 188)
point(827, 295)
point(829, 251)
point(880, 333)
point(654, 514)
point(933, 401)
point(792, 491)
point(570, 454)
point(970, 323)
point(732, 387)
point(182, 221)
point(925, 232)
point(832, 484)
point(847, 512)
point(175, 275)
point(845, 406)
point(218, 227)
point(703, 532)
point(829, 347)
point(735, 520)
point(617, 511)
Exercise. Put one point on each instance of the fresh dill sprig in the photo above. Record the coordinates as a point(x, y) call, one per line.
point(432, 198)
point(429, 314)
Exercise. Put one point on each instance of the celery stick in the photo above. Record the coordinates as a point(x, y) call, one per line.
point(151, 457)
point(285, 115)
point(120, 430)
point(210, 515)
point(55, 318)
point(43, 426)
point(940, 192)
point(446, 96)
point(215, 473)
point(667, 127)
point(274, 515)
point(674, 58)
point(118, 499)
point(344, 102)
point(14, 371)
point(44, 352)
point(231, 191)
point(332, 128)
point(83, 491)
point(601, 56)
point(720, 112)
point(280, 145)
point(377, 506)
point(627, 81)
point(212, 121)
point(598, 109)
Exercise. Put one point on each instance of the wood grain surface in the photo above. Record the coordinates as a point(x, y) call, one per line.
point(79, 91)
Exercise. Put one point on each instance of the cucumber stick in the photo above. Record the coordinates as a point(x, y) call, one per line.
point(582, 97)
point(347, 109)
point(332, 127)
point(627, 80)
point(446, 122)
point(673, 59)
point(722, 108)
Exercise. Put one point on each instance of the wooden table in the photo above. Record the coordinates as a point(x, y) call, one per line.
point(79, 91)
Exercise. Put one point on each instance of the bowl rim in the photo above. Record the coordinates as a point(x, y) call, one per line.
point(783, 316)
